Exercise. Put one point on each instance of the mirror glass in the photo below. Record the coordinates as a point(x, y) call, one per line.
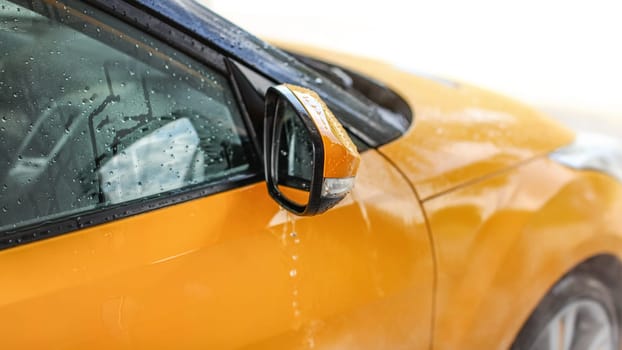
point(292, 156)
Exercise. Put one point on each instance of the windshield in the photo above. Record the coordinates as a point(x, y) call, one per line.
point(373, 124)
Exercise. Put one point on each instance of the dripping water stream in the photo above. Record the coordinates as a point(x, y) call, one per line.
point(290, 241)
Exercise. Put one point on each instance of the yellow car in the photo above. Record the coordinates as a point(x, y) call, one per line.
point(169, 181)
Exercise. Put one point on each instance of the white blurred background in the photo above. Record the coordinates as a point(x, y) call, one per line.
point(563, 57)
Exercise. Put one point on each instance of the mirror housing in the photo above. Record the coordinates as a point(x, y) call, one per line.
point(310, 161)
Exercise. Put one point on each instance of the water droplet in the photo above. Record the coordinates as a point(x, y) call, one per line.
point(293, 273)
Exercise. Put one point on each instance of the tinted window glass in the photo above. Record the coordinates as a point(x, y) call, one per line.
point(94, 114)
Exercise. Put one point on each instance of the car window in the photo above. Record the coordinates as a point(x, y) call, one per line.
point(95, 114)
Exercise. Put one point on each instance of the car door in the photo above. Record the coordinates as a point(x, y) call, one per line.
point(134, 213)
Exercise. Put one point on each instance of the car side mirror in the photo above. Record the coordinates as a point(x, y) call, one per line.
point(310, 161)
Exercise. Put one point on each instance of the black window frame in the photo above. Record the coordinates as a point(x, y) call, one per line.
point(369, 124)
point(196, 49)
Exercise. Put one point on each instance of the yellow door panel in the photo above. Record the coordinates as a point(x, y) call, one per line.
point(231, 270)
point(503, 242)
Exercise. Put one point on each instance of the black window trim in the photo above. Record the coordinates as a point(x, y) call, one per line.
point(204, 54)
point(371, 125)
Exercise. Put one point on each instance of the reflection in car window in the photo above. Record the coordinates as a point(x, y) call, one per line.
point(93, 113)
